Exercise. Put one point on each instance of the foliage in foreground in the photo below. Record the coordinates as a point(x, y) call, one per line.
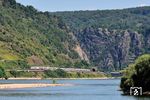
point(137, 75)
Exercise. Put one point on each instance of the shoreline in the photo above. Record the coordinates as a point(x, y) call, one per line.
point(5, 86)
point(31, 85)
point(26, 78)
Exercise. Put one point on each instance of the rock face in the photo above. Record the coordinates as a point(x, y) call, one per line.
point(81, 53)
point(111, 50)
point(111, 38)
point(34, 60)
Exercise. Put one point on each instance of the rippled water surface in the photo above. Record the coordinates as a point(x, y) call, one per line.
point(82, 90)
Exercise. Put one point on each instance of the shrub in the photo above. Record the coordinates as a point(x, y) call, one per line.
point(2, 73)
point(137, 75)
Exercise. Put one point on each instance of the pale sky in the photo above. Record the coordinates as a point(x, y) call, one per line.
point(73, 5)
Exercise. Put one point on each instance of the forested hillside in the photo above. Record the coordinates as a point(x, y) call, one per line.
point(29, 37)
point(109, 39)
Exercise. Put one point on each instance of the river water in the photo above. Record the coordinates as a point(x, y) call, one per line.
point(82, 90)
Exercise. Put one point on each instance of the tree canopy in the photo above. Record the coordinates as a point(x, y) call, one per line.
point(137, 74)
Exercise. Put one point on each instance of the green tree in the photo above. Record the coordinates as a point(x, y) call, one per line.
point(2, 73)
point(14, 73)
point(61, 73)
point(137, 75)
point(50, 73)
point(82, 64)
point(23, 64)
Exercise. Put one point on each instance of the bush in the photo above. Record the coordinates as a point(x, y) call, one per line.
point(82, 64)
point(50, 73)
point(2, 73)
point(59, 73)
point(14, 73)
point(137, 75)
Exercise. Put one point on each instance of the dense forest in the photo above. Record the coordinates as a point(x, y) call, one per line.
point(109, 39)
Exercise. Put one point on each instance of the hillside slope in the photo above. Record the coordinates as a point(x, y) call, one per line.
point(111, 38)
point(29, 37)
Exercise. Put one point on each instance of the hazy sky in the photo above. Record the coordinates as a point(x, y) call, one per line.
point(71, 5)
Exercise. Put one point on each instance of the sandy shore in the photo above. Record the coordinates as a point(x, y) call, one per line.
point(34, 85)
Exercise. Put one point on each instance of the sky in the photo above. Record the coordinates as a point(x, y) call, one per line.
point(75, 5)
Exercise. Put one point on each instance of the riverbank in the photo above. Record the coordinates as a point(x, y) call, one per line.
point(26, 78)
point(5, 86)
point(33, 85)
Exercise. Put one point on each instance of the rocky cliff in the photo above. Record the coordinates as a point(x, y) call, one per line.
point(111, 50)
point(111, 38)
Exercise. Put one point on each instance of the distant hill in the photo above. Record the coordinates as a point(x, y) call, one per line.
point(109, 39)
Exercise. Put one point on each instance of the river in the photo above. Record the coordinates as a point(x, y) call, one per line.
point(82, 90)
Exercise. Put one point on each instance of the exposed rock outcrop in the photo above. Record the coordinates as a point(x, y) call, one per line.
point(81, 53)
point(34, 60)
point(111, 50)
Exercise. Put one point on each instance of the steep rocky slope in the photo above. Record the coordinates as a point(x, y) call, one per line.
point(111, 49)
point(111, 38)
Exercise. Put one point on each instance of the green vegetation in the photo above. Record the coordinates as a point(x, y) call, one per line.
point(82, 64)
point(14, 65)
point(14, 73)
point(137, 75)
point(2, 73)
point(29, 37)
point(59, 73)
point(18, 74)
point(111, 38)
point(136, 19)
